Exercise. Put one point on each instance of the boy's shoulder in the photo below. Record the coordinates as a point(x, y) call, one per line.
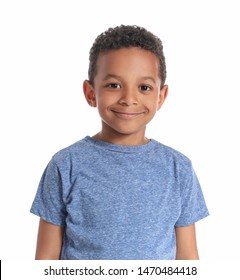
point(71, 151)
point(171, 152)
point(172, 159)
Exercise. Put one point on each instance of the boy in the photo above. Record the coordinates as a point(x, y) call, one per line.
point(118, 194)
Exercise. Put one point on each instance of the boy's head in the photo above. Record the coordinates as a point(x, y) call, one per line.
point(126, 37)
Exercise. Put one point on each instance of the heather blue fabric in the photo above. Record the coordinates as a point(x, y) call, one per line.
point(119, 202)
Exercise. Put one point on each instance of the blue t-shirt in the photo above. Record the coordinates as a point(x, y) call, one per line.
point(119, 202)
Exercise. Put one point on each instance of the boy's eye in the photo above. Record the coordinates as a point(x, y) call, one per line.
point(113, 85)
point(145, 88)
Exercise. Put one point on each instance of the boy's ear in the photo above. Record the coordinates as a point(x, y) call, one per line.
point(89, 93)
point(162, 96)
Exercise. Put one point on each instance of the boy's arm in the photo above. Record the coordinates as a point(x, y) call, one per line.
point(186, 243)
point(49, 241)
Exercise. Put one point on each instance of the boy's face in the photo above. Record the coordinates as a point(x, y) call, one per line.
point(126, 91)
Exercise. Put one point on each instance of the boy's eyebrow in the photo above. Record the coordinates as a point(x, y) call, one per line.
point(149, 78)
point(108, 76)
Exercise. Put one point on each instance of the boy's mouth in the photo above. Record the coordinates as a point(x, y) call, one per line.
point(127, 115)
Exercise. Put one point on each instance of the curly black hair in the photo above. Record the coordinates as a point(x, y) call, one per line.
point(125, 36)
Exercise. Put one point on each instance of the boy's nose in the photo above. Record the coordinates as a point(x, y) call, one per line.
point(129, 98)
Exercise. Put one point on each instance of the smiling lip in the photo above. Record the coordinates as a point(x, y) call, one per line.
point(126, 115)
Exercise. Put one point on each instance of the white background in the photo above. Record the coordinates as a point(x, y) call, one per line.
point(43, 62)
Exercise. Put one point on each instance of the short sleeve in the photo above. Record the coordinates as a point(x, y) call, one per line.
point(48, 203)
point(193, 205)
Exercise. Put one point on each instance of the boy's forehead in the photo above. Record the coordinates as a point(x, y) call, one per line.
point(139, 55)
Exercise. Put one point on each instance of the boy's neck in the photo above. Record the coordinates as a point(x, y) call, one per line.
point(122, 139)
